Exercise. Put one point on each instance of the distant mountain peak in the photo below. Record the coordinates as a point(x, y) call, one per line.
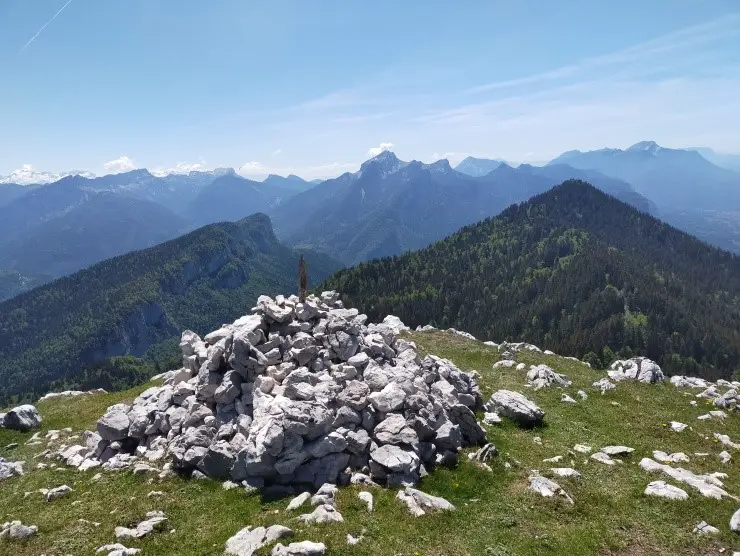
point(477, 167)
point(645, 146)
point(386, 163)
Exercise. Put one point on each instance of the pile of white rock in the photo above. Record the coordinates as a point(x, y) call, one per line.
point(298, 394)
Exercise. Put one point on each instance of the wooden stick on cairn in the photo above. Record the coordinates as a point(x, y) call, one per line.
point(303, 278)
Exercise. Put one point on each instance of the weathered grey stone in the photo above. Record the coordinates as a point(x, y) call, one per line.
point(22, 418)
point(15, 530)
point(547, 488)
point(154, 521)
point(418, 502)
point(304, 548)
point(324, 513)
point(115, 423)
point(542, 376)
point(58, 492)
point(247, 541)
point(703, 528)
point(640, 369)
point(662, 489)
point(516, 407)
point(389, 399)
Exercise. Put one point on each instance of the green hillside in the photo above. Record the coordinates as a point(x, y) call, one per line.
point(495, 515)
point(574, 271)
point(72, 331)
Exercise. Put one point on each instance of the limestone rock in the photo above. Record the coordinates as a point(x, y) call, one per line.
point(640, 369)
point(664, 490)
point(604, 384)
point(709, 486)
point(542, 376)
point(324, 513)
point(154, 521)
point(735, 522)
point(366, 497)
point(304, 548)
point(703, 528)
point(247, 541)
point(15, 530)
point(547, 488)
point(117, 549)
point(58, 492)
point(22, 418)
point(617, 450)
point(418, 502)
point(516, 407)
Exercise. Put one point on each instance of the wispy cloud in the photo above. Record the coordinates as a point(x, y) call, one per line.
point(375, 151)
point(682, 39)
point(258, 170)
point(119, 165)
point(276, 152)
point(44, 26)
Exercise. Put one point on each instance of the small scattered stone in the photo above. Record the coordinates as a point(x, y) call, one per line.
point(705, 529)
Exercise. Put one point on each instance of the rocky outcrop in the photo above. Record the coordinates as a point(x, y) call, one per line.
point(542, 376)
point(640, 369)
point(15, 530)
point(70, 394)
point(22, 418)
point(299, 393)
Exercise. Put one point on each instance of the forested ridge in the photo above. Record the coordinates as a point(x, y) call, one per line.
point(572, 270)
point(82, 330)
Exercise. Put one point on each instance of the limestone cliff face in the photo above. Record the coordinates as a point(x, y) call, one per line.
point(146, 325)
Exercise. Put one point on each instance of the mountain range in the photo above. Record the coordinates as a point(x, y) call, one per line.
point(69, 333)
point(572, 270)
point(388, 207)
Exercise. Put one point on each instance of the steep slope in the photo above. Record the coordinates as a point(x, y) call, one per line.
point(11, 191)
point(103, 226)
point(231, 197)
point(133, 304)
point(13, 283)
point(689, 191)
point(723, 160)
point(572, 270)
point(477, 167)
point(391, 206)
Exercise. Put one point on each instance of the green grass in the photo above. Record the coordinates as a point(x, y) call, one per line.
point(496, 515)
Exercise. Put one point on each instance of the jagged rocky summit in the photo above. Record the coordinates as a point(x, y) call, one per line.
point(299, 393)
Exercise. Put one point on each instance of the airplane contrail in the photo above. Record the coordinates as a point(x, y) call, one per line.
point(44, 26)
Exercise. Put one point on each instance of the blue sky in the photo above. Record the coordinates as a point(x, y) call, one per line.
point(315, 87)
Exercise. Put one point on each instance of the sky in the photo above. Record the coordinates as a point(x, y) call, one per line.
point(315, 88)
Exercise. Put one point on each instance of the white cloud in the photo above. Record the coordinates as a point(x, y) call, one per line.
point(276, 152)
point(119, 165)
point(180, 168)
point(375, 151)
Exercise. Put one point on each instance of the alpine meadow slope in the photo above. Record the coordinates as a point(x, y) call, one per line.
point(75, 331)
point(572, 270)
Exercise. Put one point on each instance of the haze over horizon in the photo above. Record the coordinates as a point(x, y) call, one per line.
point(268, 89)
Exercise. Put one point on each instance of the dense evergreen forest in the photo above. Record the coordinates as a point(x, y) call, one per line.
point(572, 270)
point(120, 320)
